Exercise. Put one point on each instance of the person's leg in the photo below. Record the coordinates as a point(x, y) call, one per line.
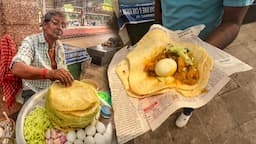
point(187, 111)
point(183, 119)
point(26, 94)
point(23, 95)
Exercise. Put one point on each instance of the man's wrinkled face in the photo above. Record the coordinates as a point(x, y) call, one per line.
point(54, 27)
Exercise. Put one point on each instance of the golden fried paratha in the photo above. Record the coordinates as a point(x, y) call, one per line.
point(79, 96)
point(138, 83)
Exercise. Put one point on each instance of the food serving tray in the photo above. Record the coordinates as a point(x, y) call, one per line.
point(35, 100)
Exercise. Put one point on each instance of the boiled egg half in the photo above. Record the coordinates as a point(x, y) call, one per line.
point(165, 67)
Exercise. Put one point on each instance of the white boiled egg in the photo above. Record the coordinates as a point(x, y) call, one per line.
point(90, 130)
point(99, 139)
point(100, 127)
point(165, 67)
point(71, 136)
point(89, 140)
point(81, 134)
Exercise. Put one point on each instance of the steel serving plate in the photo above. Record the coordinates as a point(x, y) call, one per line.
point(35, 100)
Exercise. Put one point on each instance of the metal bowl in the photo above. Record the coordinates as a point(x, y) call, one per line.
point(36, 99)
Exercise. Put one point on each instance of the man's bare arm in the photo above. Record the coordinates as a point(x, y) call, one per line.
point(229, 28)
point(158, 12)
point(24, 71)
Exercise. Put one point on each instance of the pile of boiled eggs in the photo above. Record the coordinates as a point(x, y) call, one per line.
point(92, 134)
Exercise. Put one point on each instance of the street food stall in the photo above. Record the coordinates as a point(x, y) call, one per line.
point(120, 101)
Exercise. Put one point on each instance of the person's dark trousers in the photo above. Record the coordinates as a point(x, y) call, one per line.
point(26, 94)
point(187, 111)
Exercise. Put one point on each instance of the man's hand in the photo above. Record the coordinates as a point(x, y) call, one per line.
point(62, 75)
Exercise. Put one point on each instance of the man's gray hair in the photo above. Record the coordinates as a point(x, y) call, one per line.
point(47, 17)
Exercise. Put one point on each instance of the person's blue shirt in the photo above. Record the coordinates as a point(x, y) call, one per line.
point(181, 14)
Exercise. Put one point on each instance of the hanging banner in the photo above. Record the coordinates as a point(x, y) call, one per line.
point(135, 12)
